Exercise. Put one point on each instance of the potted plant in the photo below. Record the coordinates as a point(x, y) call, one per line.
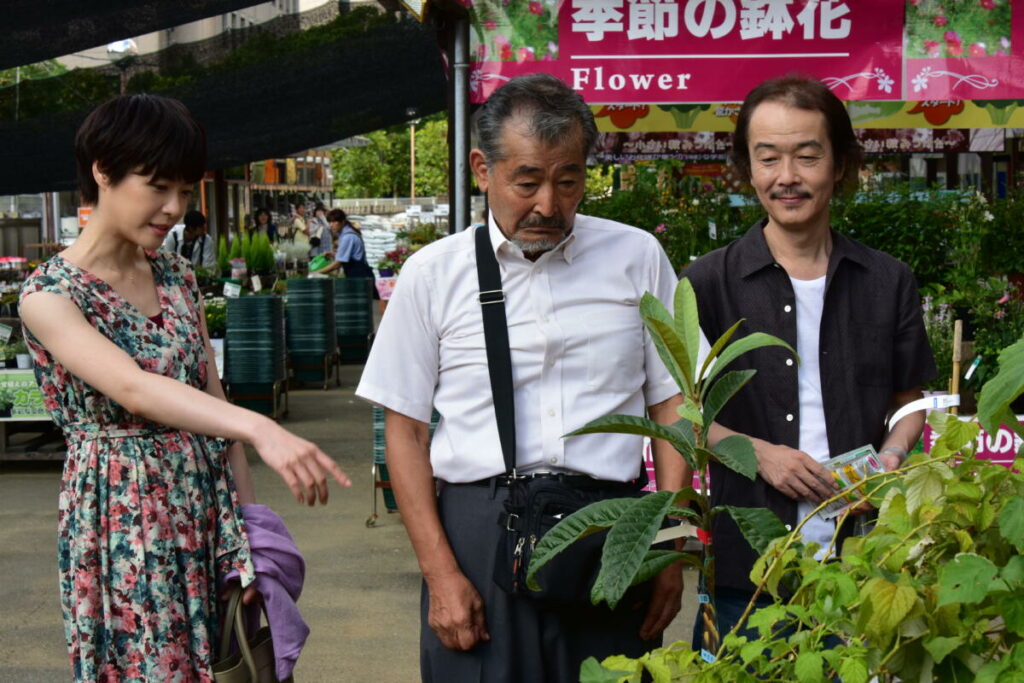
point(21, 356)
point(392, 262)
point(931, 592)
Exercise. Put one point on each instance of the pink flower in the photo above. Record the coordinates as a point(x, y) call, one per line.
point(500, 40)
point(955, 49)
point(505, 53)
point(988, 4)
point(1005, 298)
point(951, 37)
point(977, 50)
point(661, 228)
point(536, 8)
point(490, 24)
point(1005, 42)
point(932, 48)
point(940, 20)
point(524, 54)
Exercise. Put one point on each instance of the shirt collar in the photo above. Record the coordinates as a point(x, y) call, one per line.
point(754, 253)
point(565, 250)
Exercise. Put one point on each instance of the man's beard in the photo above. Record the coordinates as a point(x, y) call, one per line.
point(543, 245)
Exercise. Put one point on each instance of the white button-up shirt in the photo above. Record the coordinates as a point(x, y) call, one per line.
point(579, 350)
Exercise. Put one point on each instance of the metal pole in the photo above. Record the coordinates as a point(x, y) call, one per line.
point(412, 161)
point(460, 138)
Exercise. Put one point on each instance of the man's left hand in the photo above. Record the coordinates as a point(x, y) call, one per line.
point(666, 601)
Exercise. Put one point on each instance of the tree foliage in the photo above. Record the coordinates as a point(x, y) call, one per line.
point(381, 168)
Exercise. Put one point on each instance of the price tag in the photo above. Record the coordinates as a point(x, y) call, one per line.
point(704, 598)
point(257, 284)
point(232, 290)
point(707, 656)
point(5, 332)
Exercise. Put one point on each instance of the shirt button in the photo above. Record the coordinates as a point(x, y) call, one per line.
point(544, 320)
point(554, 461)
point(551, 412)
point(789, 417)
point(551, 361)
point(789, 362)
point(787, 308)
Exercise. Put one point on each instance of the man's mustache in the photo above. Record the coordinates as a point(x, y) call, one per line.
point(542, 222)
point(790, 194)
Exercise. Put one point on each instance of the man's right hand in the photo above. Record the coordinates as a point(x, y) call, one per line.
point(456, 612)
point(795, 473)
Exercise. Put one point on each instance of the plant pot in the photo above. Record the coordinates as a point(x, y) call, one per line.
point(386, 272)
point(23, 361)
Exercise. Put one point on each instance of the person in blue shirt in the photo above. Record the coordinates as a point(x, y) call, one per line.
point(350, 255)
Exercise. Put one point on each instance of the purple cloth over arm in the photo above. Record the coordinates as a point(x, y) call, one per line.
point(280, 571)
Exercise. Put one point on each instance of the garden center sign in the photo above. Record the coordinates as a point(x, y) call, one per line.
point(660, 54)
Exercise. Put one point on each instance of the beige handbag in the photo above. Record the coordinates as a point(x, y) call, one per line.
point(254, 661)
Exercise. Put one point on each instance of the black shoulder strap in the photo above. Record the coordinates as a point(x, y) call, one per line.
point(499, 358)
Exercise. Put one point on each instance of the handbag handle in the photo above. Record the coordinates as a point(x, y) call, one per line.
point(235, 621)
point(499, 358)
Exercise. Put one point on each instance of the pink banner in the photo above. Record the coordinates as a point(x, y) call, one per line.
point(676, 51)
point(1001, 447)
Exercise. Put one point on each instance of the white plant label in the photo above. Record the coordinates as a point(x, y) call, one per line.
point(232, 289)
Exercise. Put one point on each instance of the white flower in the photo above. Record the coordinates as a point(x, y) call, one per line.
point(696, 202)
point(885, 82)
point(988, 216)
point(920, 81)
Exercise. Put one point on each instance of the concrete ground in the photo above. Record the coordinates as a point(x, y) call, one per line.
point(361, 596)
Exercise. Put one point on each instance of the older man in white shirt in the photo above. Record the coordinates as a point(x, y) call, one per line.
point(579, 351)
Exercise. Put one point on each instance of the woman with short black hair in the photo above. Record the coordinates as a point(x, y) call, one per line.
point(155, 472)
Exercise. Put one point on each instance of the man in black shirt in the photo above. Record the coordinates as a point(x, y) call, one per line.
point(852, 313)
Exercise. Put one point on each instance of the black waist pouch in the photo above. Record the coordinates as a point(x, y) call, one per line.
point(533, 507)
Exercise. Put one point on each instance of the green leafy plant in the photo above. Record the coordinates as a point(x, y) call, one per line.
point(216, 316)
point(932, 592)
point(223, 255)
point(394, 260)
point(627, 557)
point(237, 250)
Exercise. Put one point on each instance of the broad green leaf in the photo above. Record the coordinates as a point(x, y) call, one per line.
point(808, 667)
point(966, 579)
point(628, 542)
point(669, 345)
point(751, 651)
point(1011, 607)
point(1011, 522)
point(940, 646)
point(655, 561)
point(925, 484)
point(717, 347)
point(680, 434)
point(1013, 572)
point(739, 347)
point(690, 411)
point(759, 525)
point(853, 670)
point(580, 524)
point(591, 671)
point(954, 433)
point(737, 453)
point(890, 604)
point(687, 321)
point(685, 513)
point(1001, 390)
point(723, 390)
point(765, 618)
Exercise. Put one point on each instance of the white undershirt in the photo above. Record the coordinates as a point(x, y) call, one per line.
point(810, 300)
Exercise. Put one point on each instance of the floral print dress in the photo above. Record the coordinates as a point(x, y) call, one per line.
point(149, 518)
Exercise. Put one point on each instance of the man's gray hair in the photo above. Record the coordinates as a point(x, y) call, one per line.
point(552, 111)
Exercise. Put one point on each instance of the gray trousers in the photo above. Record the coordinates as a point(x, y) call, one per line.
point(529, 644)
